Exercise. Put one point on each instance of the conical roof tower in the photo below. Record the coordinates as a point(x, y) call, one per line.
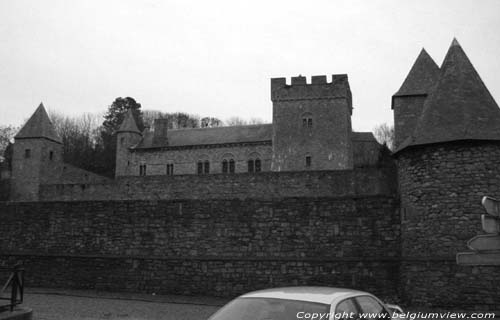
point(421, 78)
point(39, 126)
point(460, 107)
point(128, 124)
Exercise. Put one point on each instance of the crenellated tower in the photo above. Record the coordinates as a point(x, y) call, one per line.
point(311, 124)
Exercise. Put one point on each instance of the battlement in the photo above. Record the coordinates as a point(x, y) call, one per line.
point(317, 88)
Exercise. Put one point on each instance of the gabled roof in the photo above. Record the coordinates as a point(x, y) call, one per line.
point(39, 126)
point(459, 108)
point(128, 124)
point(208, 136)
point(422, 77)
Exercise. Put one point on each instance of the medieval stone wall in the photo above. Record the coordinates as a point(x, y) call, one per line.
point(264, 185)
point(212, 247)
point(185, 159)
point(441, 189)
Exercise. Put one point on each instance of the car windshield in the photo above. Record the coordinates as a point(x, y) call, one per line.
point(268, 309)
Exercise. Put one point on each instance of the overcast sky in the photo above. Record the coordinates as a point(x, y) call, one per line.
point(216, 57)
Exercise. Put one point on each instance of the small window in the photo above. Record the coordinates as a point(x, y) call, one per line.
point(224, 166)
point(307, 120)
point(308, 161)
point(142, 170)
point(122, 140)
point(200, 167)
point(206, 167)
point(251, 166)
point(258, 167)
point(231, 166)
point(170, 169)
point(51, 155)
point(27, 153)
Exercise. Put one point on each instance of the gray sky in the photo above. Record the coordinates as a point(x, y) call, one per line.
point(216, 57)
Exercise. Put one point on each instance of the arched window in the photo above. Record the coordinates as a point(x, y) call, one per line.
point(206, 167)
point(228, 163)
point(307, 120)
point(254, 163)
point(225, 167)
point(200, 167)
point(258, 167)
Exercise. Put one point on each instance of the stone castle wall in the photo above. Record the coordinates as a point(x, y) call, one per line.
point(212, 247)
point(185, 159)
point(441, 188)
point(264, 185)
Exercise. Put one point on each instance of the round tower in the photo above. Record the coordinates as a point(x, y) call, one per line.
point(127, 136)
point(37, 157)
point(445, 166)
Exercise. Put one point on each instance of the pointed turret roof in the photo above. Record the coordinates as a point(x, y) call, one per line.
point(421, 78)
point(128, 124)
point(39, 126)
point(460, 107)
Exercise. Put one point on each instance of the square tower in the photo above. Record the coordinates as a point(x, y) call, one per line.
point(312, 124)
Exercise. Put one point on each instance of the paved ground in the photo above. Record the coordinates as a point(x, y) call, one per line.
point(80, 305)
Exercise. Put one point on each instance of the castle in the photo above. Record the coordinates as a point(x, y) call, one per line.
point(303, 200)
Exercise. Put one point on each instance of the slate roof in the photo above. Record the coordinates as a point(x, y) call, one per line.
point(422, 77)
point(128, 124)
point(460, 106)
point(211, 136)
point(39, 126)
point(363, 136)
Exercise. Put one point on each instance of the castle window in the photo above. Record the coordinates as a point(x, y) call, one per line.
point(206, 167)
point(251, 166)
point(257, 165)
point(231, 166)
point(308, 161)
point(27, 153)
point(224, 166)
point(254, 163)
point(307, 121)
point(170, 169)
point(200, 167)
point(51, 155)
point(142, 170)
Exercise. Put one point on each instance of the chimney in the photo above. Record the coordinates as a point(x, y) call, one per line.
point(160, 132)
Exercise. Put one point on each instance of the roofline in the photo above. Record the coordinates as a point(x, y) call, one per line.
point(221, 127)
point(398, 151)
point(36, 137)
point(199, 146)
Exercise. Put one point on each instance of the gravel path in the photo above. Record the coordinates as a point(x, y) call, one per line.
point(59, 307)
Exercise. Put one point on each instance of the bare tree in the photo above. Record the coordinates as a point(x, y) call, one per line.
point(7, 133)
point(384, 133)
